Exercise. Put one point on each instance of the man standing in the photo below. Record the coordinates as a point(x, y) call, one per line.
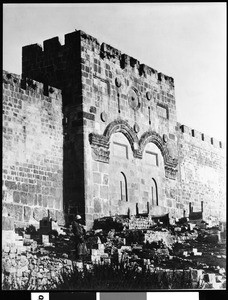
point(79, 237)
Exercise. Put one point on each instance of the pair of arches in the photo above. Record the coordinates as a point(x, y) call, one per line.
point(138, 145)
point(100, 144)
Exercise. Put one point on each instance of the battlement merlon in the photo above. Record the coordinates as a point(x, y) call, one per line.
point(53, 45)
point(30, 85)
point(198, 135)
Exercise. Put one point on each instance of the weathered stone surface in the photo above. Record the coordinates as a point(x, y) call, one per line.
point(10, 185)
point(105, 179)
point(28, 172)
point(18, 212)
point(27, 213)
point(39, 213)
point(104, 191)
point(97, 205)
point(30, 199)
point(60, 217)
point(9, 208)
point(16, 197)
point(24, 197)
point(96, 177)
point(7, 223)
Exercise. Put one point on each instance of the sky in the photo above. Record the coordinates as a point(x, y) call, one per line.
point(186, 41)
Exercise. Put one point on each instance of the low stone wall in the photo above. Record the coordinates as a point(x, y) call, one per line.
point(32, 271)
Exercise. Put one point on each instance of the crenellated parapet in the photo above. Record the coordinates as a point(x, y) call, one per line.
point(27, 85)
point(197, 135)
point(74, 39)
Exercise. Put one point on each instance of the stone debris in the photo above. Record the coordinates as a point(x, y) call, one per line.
point(40, 258)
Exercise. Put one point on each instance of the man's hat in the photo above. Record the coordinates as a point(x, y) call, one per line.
point(78, 217)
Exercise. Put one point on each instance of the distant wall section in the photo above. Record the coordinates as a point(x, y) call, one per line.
point(201, 173)
point(32, 151)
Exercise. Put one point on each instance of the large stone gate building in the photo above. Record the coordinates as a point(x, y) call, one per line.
point(93, 131)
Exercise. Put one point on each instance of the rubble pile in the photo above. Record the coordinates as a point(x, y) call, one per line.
point(40, 256)
point(33, 270)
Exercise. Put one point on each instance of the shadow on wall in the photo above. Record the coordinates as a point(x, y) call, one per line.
point(73, 176)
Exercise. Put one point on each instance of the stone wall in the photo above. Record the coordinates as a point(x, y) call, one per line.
point(130, 105)
point(59, 65)
point(32, 151)
point(201, 173)
point(123, 148)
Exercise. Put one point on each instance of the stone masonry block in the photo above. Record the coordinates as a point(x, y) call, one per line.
point(106, 208)
point(16, 197)
point(97, 205)
point(24, 198)
point(105, 179)
point(104, 192)
point(169, 203)
point(11, 185)
point(57, 202)
point(18, 212)
point(38, 188)
point(96, 177)
point(50, 201)
point(40, 200)
point(39, 213)
point(27, 213)
point(44, 201)
point(24, 187)
point(96, 190)
point(104, 168)
point(9, 209)
point(32, 188)
point(95, 166)
point(7, 223)
point(30, 199)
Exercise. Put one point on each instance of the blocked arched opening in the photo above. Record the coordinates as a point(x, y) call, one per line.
point(123, 187)
point(155, 138)
point(124, 128)
point(154, 192)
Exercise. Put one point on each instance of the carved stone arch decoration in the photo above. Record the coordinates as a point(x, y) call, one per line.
point(152, 137)
point(123, 127)
point(169, 162)
point(100, 142)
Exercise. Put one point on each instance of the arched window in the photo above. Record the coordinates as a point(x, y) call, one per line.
point(123, 187)
point(154, 192)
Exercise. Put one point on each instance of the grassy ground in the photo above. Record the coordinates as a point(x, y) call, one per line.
point(122, 277)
